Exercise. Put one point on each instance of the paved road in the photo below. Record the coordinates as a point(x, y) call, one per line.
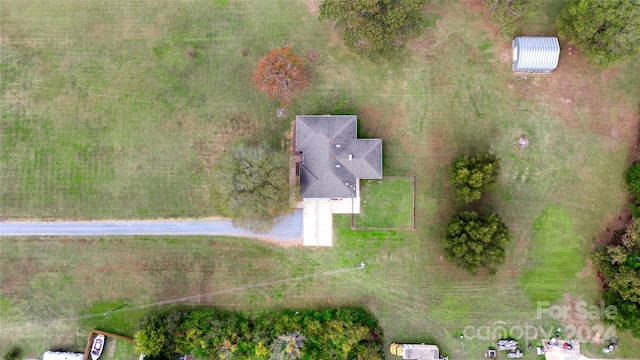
point(289, 228)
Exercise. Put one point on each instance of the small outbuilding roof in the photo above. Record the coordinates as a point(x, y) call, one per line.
point(51, 355)
point(535, 54)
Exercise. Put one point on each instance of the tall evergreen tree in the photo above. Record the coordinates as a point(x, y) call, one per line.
point(471, 175)
point(473, 241)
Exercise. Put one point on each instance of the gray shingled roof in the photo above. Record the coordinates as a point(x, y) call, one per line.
point(334, 157)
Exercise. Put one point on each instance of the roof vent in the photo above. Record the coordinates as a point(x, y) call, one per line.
point(337, 145)
point(337, 165)
point(350, 157)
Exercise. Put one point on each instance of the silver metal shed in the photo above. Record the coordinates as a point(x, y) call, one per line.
point(51, 355)
point(535, 54)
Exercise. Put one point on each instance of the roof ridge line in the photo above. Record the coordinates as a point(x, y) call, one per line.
point(296, 133)
point(336, 176)
point(346, 123)
point(367, 153)
point(309, 171)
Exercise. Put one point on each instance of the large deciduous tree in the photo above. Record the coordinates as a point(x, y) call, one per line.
point(287, 346)
point(280, 74)
point(251, 186)
point(375, 28)
point(633, 180)
point(471, 175)
point(473, 241)
point(150, 340)
point(608, 30)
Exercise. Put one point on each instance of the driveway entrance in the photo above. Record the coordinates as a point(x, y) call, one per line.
point(318, 223)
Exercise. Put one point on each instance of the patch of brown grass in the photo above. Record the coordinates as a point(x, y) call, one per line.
point(111, 348)
point(380, 121)
point(613, 223)
point(16, 275)
point(588, 270)
point(211, 141)
point(313, 6)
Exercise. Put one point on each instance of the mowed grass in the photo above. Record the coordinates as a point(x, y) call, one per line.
point(555, 257)
point(386, 203)
point(153, 120)
point(120, 111)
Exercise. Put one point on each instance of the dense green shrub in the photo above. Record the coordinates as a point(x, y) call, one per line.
point(310, 334)
point(13, 354)
point(375, 28)
point(633, 180)
point(504, 13)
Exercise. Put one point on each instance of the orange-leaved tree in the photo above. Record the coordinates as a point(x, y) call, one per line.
point(280, 74)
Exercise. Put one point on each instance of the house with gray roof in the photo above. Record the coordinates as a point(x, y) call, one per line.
point(333, 158)
point(333, 161)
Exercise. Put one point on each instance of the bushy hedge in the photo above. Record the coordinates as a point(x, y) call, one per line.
point(633, 180)
point(308, 334)
point(505, 13)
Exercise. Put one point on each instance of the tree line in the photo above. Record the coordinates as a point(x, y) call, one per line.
point(619, 264)
point(349, 333)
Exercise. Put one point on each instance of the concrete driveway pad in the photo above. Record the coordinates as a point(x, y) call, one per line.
point(317, 223)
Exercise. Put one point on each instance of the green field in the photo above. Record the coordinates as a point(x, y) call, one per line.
point(386, 203)
point(104, 114)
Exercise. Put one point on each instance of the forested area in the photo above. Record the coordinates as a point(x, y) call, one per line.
point(288, 334)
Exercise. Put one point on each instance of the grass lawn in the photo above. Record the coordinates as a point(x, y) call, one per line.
point(555, 258)
point(118, 349)
point(105, 115)
point(386, 203)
